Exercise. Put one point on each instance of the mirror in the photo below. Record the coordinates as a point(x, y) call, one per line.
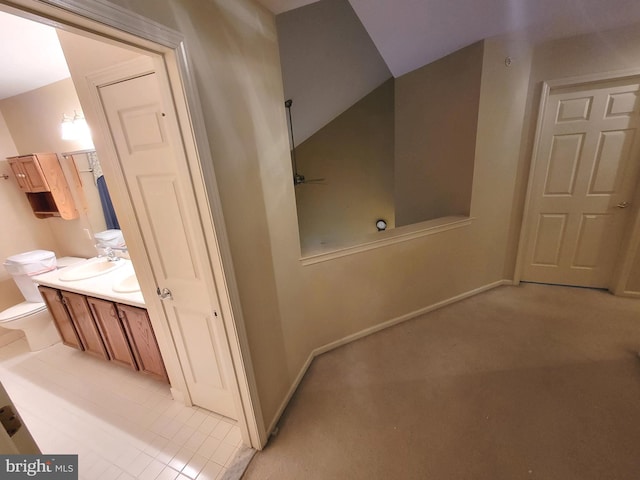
point(397, 149)
point(94, 199)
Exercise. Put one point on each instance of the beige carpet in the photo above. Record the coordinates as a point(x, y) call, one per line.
point(530, 382)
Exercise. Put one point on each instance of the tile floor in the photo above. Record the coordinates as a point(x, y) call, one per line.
point(121, 424)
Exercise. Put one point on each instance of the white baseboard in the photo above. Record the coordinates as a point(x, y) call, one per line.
point(368, 331)
point(629, 294)
point(292, 390)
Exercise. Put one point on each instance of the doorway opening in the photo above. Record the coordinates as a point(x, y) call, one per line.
point(251, 434)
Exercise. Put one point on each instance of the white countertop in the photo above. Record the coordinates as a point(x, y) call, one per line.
point(100, 286)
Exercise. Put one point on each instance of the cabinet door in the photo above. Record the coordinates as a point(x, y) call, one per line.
point(83, 320)
point(18, 171)
point(143, 341)
point(112, 331)
point(35, 176)
point(61, 318)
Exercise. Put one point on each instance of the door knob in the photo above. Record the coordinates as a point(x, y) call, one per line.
point(164, 294)
point(623, 204)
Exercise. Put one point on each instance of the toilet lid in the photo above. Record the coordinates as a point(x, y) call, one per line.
point(21, 310)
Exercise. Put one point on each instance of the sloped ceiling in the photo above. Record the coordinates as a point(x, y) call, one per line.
point(412, 33)
point(30, 56)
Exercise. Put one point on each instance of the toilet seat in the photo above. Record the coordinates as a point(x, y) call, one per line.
point(21, 310)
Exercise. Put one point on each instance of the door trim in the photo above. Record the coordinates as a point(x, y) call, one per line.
point(631, 242)
point(101, 18)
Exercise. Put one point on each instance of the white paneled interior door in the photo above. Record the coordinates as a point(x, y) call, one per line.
point(583, 180)
point(143, 125)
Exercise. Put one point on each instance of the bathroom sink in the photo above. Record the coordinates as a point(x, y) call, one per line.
point(89, 269)
point(127, 285)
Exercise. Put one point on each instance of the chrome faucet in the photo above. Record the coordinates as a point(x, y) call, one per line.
point(109, 253)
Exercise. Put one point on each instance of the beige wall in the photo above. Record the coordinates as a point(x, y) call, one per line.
point(436, 123)
point(354, 156)
point(33, 119)
point(21, 230)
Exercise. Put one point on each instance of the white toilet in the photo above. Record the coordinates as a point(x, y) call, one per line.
point(30, 316)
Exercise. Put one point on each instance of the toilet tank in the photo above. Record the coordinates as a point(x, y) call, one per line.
point(25, 265)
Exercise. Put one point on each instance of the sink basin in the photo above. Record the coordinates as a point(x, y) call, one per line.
point(89, 269)
point(127, 285)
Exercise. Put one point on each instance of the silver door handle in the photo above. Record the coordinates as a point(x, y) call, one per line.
point(623, 204)
point(164, 294)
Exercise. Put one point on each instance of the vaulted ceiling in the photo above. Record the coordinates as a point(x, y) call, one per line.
point(412, 33)
point(30, 56)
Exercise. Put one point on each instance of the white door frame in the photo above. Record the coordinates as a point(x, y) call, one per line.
point(631, 238)
point(103, 19)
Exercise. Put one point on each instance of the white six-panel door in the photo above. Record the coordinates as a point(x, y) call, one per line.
point(584, 176)
point(157, 178)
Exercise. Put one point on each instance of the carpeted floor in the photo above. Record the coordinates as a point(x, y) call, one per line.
point(530, 382)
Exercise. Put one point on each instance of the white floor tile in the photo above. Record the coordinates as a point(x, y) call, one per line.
point(208, 424)
point(196, 419)
point(139, 464)
point(195, 441)
point(152, 471)
point(233, 437)
point(223, 453)
point(110, 473)
point(221, 430)
point(155, 445)
point(168, 474)
point(180, 460)
point(184, 434)
point(210, 471)
point(120, 424)
point(195, 466)
point(209, 446)
point(168, 452)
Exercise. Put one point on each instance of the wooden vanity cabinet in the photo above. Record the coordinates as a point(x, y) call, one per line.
point(61, 319)
point(83, 320)
point(113, 334)
point(120, 333)
point(143, 341)
point(40, 176)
